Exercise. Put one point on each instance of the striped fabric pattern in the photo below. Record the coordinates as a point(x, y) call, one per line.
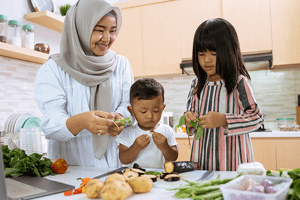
point(222, 149)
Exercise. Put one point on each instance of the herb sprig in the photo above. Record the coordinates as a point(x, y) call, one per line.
point(193, 124)
point(123, 121)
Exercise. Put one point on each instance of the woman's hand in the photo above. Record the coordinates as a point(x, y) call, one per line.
point(116, 128)
point(213, 119)
point(190, 116)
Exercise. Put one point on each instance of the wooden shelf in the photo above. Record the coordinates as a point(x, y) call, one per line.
point(21, 53)
point(47, 19)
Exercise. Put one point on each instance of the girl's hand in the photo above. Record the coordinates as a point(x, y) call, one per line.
point(159, 140)
point(213, 119)
point(190, 116)
point(142, 141)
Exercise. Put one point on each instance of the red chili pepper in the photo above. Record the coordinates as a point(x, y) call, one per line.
point(68, 193)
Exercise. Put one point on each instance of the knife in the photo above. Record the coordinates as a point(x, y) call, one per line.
point(206, 175)
point(119, 170)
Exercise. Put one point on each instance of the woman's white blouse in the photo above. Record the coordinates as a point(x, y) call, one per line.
point(60, 96)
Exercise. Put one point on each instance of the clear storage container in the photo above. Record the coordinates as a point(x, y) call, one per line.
point(287, 124)
point(3, 28)
point(14, 33)
point(28, 36)
point(237, 188)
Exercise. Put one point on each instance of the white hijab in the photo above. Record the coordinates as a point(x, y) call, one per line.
point(77, 59)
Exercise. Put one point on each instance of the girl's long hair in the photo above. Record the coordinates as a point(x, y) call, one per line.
point(220, 36)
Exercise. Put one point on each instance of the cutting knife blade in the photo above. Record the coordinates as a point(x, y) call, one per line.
point(119, 170)
point(207, 175)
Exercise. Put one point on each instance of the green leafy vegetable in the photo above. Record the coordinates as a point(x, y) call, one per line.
point(17, 163)
point(123, 121)
point(193, 124)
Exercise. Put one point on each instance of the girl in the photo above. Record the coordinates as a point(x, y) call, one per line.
point(221, 97)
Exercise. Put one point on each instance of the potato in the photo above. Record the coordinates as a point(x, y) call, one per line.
point(93, 187)
point(116, 190)
point(141, 184)
point(130, 174)
point(115, 176)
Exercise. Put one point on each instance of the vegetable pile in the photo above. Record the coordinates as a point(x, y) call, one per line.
point(207, 189)
point(193, 124)
point(294, 192)
point(17, 163)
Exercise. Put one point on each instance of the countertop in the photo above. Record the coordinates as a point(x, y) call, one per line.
point(274, 133)
point(157, 193)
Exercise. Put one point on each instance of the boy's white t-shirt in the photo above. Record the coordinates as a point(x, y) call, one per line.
point(151, 156)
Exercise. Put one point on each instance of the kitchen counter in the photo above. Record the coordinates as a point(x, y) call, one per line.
point(74, 172)
point(274, 133)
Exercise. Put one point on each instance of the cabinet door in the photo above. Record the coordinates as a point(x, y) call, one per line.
point(185, 147)
point(285, 17)
point(129, 40)
point(192, 14)
point(265, 152)
point(288, 153)
point(251, 19)
point(161, 38)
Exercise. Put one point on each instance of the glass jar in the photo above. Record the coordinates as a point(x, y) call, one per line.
point(14, 33)
point(287, 124)
point(3, 28)
point(28, 36)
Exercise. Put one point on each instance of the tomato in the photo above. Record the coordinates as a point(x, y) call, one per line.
point(59, 166)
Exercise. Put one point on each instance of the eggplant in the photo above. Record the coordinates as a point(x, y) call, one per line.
point(181, 166)
point(140, 172)
point(162, 176)
point(172, 177)
point(151, 176)
point(137, 166)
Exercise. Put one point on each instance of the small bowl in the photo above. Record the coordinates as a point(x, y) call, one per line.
point(42, 47)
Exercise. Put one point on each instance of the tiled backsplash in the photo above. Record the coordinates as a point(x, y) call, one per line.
point(275, 91)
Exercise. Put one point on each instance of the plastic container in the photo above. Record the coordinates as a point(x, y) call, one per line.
point(28, 36)
point(3, 28)
point(14, 33)
point(287, 124)
point(31, 140)
point(237, 188)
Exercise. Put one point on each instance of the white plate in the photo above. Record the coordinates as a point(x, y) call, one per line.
point(41, 5)
point(14, 122)
point(6, 123)
point(10, 123)
point(21, 120)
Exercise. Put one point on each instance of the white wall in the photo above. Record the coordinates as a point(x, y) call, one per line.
point(16, 9)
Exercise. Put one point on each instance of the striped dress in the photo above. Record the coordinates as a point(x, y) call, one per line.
point(222, 149)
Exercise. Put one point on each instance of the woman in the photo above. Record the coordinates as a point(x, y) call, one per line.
point(85, 86)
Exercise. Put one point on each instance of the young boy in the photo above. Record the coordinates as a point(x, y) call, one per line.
point(147, 142)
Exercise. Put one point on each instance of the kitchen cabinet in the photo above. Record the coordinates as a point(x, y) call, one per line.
point(275, 153)
point(252, 21)
point(285, 23)
point(150, 37)
point(185, 147)
point(192, 14)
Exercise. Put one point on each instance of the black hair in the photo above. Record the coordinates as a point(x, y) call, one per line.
point(220, 36)
point(146, 88)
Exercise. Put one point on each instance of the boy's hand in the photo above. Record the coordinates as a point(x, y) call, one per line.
point(213, 119)
point(160, 140)
point(142, 141)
